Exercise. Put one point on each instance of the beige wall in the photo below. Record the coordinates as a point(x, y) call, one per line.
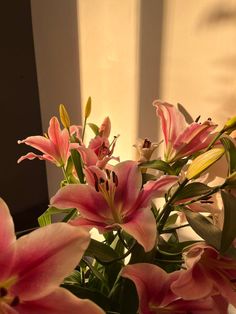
point(199, 56)
point(109, 56)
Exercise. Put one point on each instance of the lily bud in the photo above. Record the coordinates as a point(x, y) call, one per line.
point(88, 107)
point(230, 125)
point(204, 161)
point(65, 120)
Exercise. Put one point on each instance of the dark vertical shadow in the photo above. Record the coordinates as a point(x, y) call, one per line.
point(24, 186)
point(150, 62)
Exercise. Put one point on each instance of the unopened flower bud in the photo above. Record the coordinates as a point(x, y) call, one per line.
point(65, 120)
point(88, 108)
point(204, 161)
point(230, 125)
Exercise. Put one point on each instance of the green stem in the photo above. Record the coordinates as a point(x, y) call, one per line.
point(84, 127)
point(65, 175)
point(168, 206)
point(214, 140)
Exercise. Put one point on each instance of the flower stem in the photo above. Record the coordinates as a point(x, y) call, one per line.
point(168, 206)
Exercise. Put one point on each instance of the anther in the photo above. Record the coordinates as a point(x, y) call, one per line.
point(114, 178)
point(101, 180)
point(107, 186)
point(197, 118)
point(146, 143)
point(15, 301)
point(95, 182)
point(209, 119)
point(108, 173)
point(3, 292)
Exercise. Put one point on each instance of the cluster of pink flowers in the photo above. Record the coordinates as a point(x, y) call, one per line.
point(170, 275)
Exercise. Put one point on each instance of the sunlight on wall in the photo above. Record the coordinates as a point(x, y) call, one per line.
point(199, 57)
point(108, 46)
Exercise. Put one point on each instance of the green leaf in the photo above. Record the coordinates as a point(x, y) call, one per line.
point(96, 272)
point(192, 190)
point(71, 215)
point(101, 252)
point(187, 116)
point(171, 220)
point(78, 164)
point(230, 153)
point(204, 228)
point(229, 230)
point(94, 128)
point(45, 219)
point(158, 165)
point(74, 278)
point(85, 293)
point(148, 177)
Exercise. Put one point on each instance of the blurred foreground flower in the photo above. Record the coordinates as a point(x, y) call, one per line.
point(33, 267)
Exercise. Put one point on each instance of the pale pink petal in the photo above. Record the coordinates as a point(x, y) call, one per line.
point(193, 138)
point(59, 138)
point(172, 121)
point(193, 284)
point(60, 301)
point(142, 226)
point(32, 156)
point(150, 281)
point(129, 183)
point(7, 231)
point(85, 198)
point(41, 143)
point(105, 128)
point(88, 156)
point(45, 257)
point(156, 188)
point(7, 240)
point(89, 224)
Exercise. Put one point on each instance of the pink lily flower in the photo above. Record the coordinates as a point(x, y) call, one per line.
point(208, 273)
point(115, 199)
point(99, 151)
point(55, 147)
point(182, 140)
point(153, 286)
point(33, 267)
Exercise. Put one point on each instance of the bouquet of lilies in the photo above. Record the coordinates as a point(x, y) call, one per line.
point(168, 230)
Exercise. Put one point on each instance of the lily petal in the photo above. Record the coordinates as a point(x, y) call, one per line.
point(59, 301)
point(7, 240)
point(42, 258)
point(85, 198)
point(142, 226)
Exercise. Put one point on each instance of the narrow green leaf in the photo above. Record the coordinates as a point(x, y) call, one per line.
point(229, 230)
point(204, 228)
point(71, 215)
point(230, 153)
point(94, 128)
point(85, 293)
point(101, 252)
point(158, 165)
point(78, 164)
point(74, 278)
point(187, 116)
point(45, 219)
point(96, 272)
point(192, 190)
